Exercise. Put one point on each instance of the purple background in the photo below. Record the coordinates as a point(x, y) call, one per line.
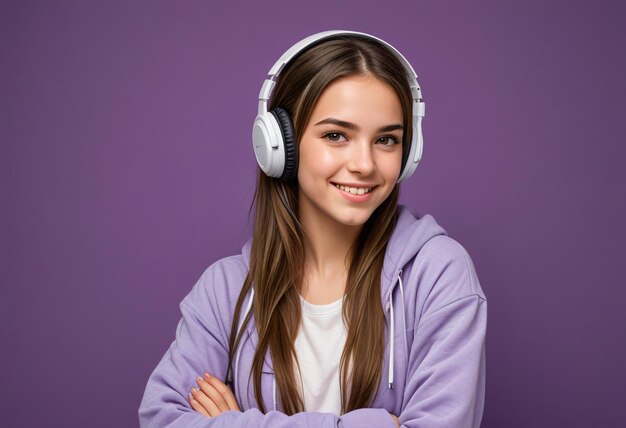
point(126, 169)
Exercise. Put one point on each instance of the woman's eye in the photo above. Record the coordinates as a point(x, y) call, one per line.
point(387, 141)
point(334, 136)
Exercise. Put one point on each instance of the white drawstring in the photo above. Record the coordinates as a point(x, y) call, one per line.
point(392, 330)
point(406, 345)
point(274, 390)
point(391, 337)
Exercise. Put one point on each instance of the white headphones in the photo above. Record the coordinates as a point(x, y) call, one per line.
point(273, 137)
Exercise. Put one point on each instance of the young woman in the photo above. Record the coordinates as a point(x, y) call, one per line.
point(344, 309)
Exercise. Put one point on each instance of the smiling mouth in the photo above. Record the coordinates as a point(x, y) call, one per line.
point(354, 190)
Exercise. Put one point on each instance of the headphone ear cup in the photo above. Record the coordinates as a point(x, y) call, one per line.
point(289, 139)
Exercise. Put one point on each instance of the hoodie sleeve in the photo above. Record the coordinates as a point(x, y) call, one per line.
point(201, 345)
point(445, 384)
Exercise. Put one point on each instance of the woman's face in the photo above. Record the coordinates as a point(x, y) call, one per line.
point(351, 151)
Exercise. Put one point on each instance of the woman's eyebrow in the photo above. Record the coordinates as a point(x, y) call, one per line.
point(354, 127)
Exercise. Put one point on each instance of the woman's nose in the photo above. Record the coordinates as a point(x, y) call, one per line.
point(361, 159)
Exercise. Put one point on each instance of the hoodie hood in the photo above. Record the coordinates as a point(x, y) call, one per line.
point(409, 236)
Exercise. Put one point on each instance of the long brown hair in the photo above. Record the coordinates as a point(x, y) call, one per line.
point(277, 253)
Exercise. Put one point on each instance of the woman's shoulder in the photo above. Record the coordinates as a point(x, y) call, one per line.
point(444, 272)
point(219, 286)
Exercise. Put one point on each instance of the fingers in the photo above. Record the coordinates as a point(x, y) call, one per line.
point(215, 396)
point(212, 398)
point(208, 407)
point(224, 392)
point(197, 406)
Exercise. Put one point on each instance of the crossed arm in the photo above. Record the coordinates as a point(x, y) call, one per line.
point(213, 397)
point(445, 373)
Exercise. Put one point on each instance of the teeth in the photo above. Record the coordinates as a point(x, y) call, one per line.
point(354, 190)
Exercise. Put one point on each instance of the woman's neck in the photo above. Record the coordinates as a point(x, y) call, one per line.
point(327, 244)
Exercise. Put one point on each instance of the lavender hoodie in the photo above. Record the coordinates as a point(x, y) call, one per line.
point(433, 368)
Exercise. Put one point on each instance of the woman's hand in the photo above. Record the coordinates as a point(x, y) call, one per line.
point(213, 397)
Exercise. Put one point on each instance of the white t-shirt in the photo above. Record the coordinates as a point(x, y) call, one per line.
point(319, 345)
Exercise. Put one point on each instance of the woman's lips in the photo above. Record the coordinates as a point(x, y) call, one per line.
point(354, 193)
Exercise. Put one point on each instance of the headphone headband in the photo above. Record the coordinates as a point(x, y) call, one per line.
point(311, 40)
point(262, 129)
